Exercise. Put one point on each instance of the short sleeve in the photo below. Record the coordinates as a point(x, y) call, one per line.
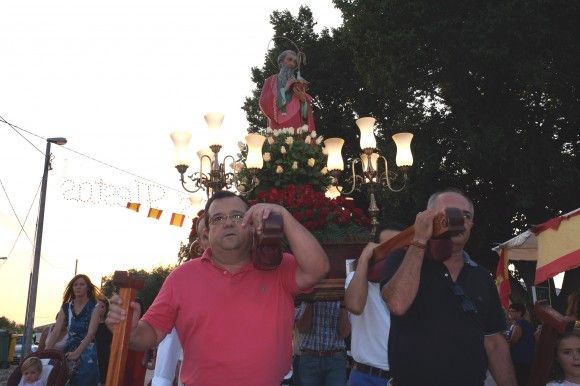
point(162, 313)
point(287, 271)
point(392, 263)
point(495, 320)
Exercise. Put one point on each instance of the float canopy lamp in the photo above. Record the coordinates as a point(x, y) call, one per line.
point(212, 175)
point(373, 174)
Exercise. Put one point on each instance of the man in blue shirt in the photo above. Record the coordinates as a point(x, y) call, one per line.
point(324, 326)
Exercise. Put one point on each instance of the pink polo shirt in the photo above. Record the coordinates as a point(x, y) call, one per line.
point(235, 329)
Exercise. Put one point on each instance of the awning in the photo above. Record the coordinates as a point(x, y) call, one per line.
point(555, 245)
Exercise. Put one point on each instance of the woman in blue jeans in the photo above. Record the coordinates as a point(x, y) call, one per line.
point(80, 313)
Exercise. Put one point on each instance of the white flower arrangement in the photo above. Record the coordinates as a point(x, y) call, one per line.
point(291, 156)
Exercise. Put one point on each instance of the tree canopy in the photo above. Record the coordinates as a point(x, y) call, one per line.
point(10, 325)
point(489, 89)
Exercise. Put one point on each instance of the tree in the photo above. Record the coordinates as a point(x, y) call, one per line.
point(493, 87)
point(338, 91)
point(10, 325)
point(489, 89)
point(153, 282)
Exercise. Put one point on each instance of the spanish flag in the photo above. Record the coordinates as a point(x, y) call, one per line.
point(558, 245)
point(502, 280)
point(133, 206)
point(154, 213)
point(177, 219)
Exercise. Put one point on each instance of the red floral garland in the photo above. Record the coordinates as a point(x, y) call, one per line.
point(313, 209)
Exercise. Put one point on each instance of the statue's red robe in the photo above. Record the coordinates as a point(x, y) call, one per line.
point(276, 118)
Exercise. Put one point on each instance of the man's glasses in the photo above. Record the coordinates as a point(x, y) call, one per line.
point(466, 302)
point(220, 219)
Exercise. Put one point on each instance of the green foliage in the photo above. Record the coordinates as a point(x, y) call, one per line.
point(153, 281)
point(338, 91)
point(11, 326)
point(491, 91)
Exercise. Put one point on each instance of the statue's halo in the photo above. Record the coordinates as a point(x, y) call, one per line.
point(300, 56)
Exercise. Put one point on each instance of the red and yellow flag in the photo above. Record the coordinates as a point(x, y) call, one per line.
point(177, 219)
point(502, 280)
point(154, 213)
point(558, 245)
point(133, 206)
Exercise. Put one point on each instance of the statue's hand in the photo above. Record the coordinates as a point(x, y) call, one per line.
point(290, 82)
point(300, 91)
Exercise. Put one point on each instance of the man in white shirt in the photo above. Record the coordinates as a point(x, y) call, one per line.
point(370, 319)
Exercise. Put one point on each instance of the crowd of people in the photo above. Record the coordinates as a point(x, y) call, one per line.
point(218, 320)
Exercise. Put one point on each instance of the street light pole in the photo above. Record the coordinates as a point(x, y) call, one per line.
point(31, 304)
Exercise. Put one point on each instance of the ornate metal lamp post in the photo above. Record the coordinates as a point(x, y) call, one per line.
point(212, 175)
point(371, 176)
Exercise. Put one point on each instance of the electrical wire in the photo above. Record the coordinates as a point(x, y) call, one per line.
point(25, 219)
point(16, 128)
point(122, 170)
point(24, 223)
point(13, 210)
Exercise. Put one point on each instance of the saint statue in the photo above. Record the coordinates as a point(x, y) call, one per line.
point(284, 100)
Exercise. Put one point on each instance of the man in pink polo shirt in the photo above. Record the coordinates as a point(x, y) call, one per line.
point(234, 321)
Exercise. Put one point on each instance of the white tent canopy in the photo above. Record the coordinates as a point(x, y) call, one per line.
point(521, 247)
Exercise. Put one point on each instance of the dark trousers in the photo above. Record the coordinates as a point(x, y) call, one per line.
point(522, 373)
point(322, 371)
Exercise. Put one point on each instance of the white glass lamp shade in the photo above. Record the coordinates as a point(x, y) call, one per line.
point(205, 161)
point(333, 147)
point(254, 159)
point(332, 192)
point(181, 141)
point(374, 161)
point(404, 155)
point(214, 123)
point(366, 126)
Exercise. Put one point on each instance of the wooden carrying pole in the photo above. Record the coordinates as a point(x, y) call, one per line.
point(128, 287)
point(553, 325)
point(445, 224)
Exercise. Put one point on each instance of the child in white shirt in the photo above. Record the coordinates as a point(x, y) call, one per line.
point(34, 373)
point(568, 359)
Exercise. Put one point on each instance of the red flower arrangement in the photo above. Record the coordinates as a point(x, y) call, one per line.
point(330, 220)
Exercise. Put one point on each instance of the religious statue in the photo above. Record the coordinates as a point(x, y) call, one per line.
point(284, 100)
